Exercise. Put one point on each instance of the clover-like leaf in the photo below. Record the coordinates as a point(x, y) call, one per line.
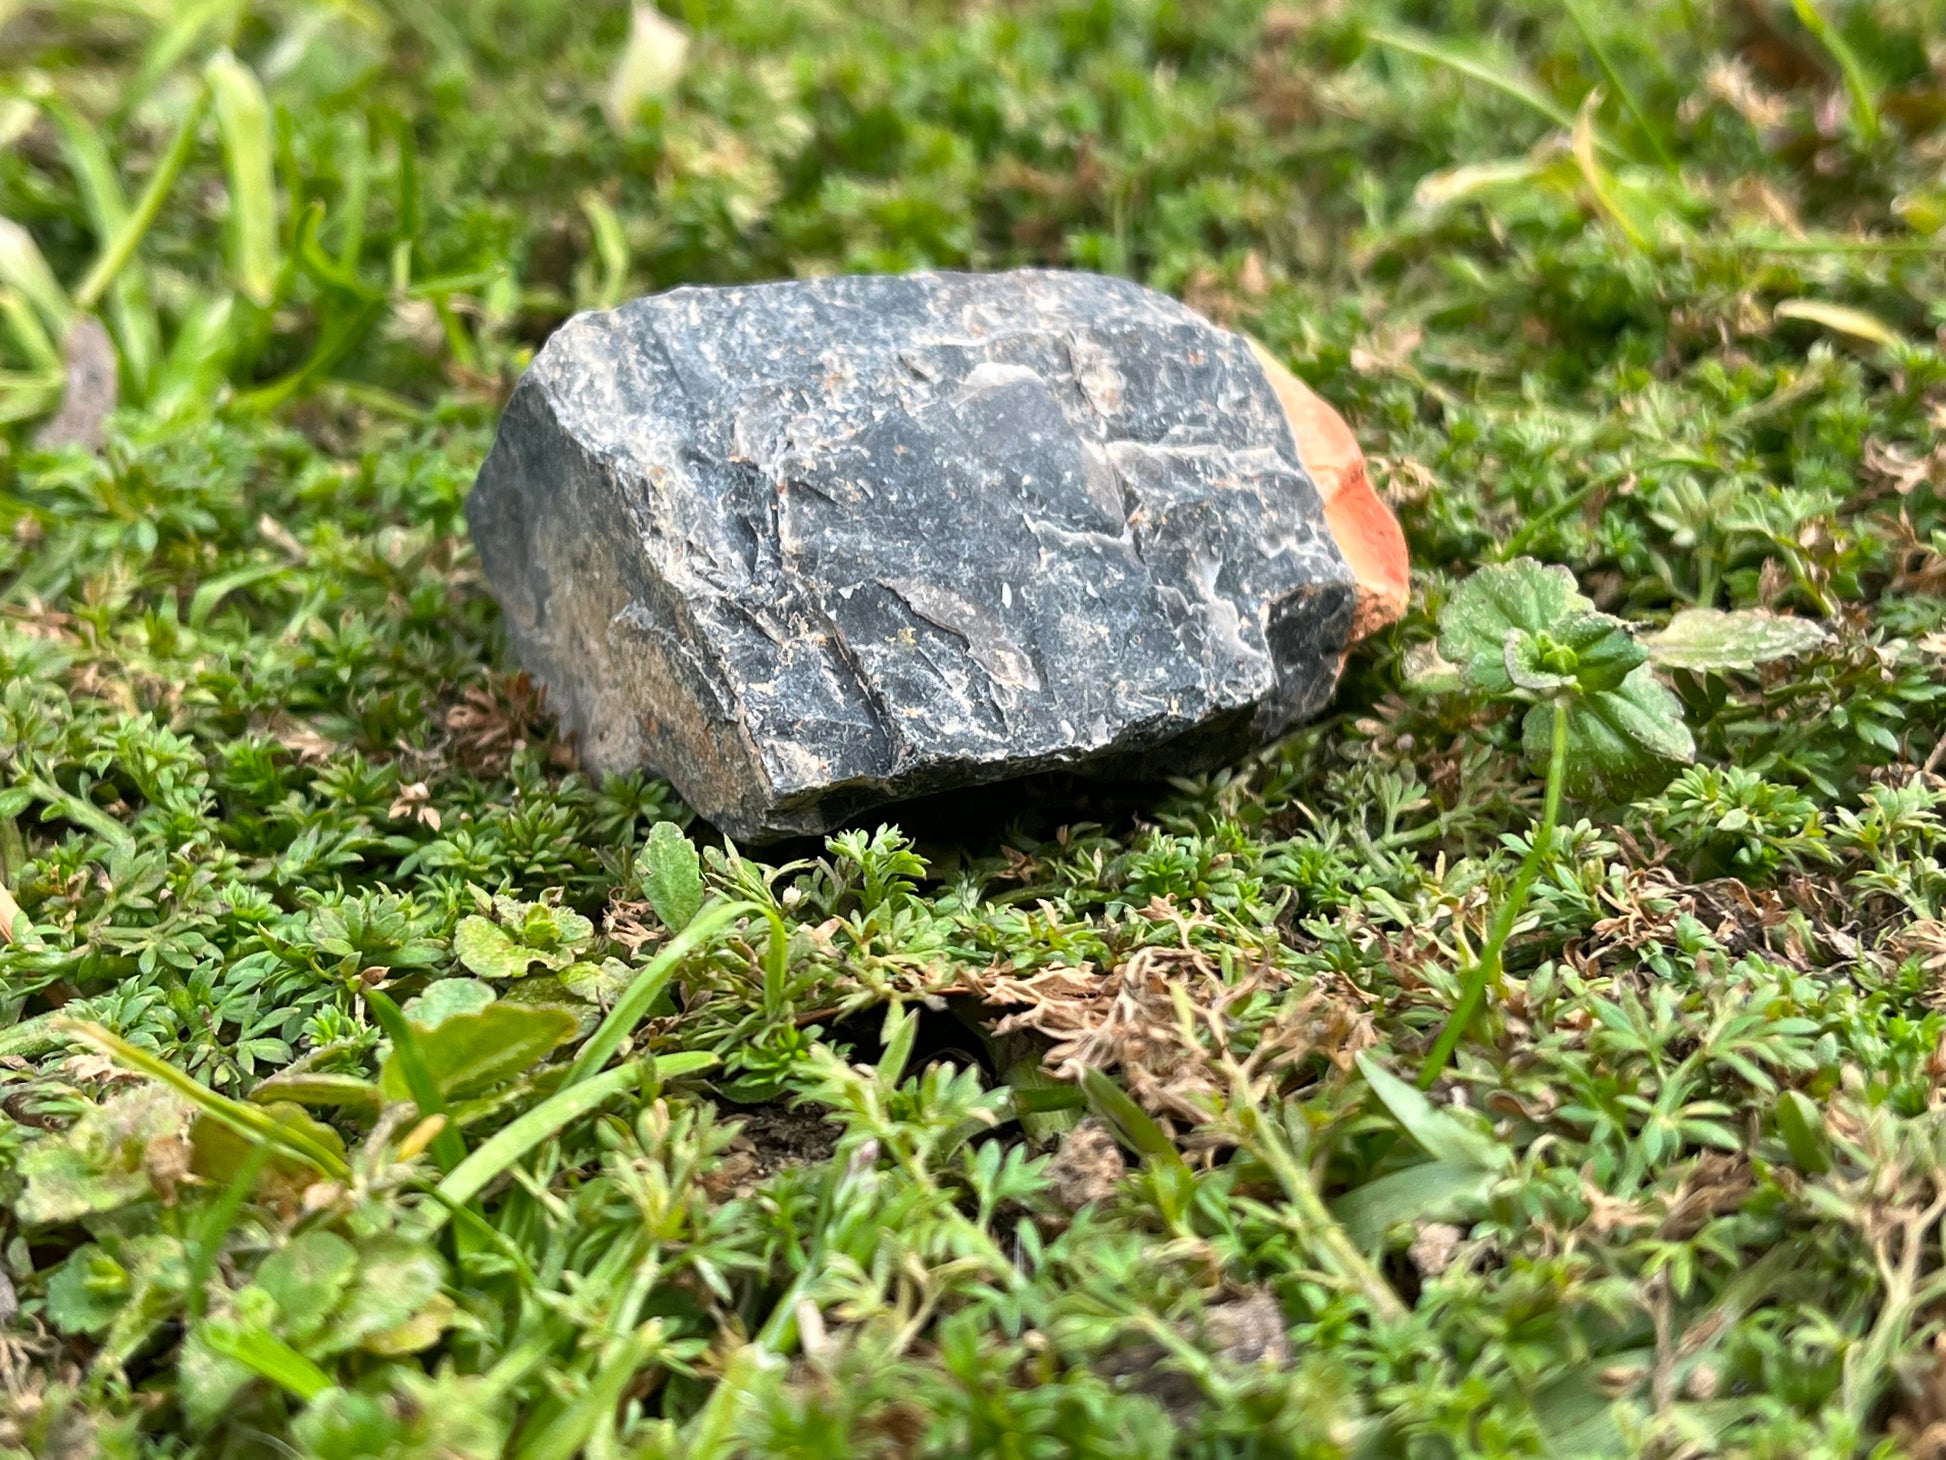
point(1712, 639)
point(599, 983)
point(1623, 743)
point(487, 949)
point(396, 1278)
point(528, 933)
point(1605, 652)
point(305, 1278)
point(86, 1292)
point(1498, 600)
point(1536, 664)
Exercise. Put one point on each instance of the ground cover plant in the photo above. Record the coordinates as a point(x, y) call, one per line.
point(1541, 1055)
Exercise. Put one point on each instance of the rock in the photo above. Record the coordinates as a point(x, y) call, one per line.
point(1087, 1167)
point(809, 547)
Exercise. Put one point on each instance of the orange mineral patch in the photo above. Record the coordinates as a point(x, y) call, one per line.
point(1366, 531)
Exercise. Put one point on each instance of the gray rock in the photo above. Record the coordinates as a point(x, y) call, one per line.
point(809, 547)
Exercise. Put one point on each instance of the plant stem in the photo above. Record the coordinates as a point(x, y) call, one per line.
point(1485, 971)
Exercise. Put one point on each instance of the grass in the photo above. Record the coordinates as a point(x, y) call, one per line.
point(376, 1084)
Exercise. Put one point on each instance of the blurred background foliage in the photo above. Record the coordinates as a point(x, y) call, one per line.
point(1652, 291)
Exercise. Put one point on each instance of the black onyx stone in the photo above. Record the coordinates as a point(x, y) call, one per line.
point(808, 547)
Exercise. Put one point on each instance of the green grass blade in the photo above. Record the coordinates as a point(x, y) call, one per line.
point(117, 251)
point(268, 1357)
point(24, 270)
point(246, 1120)
point(634, 1003)
point(553, 1115)
point(1502, 74)
point(1619, 84)
point(1134, 1124)
point(243, 120)
point(25, 329)
point(448, 1148)
point(132, 313)
point(1864, 108)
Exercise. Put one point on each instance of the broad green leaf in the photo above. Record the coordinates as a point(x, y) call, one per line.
point(1439, 1133)
point(467, 1053)
point(96, 1165)
point(674, 876)
point(599, 983)
point(397, 1277)
point(1503, 598)
point(243, 119)
point(85, 1293)
point(219, 1151)
point(1712, 639)
point(1623, 743)
point(650, 65)
point(305, 1278)
point(486, 948)
point(1432, 1191)
point(445, 997)
point(1801, 1124)
point(284, 1128)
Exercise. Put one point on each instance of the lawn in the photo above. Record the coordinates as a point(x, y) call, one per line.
point(374, 1082)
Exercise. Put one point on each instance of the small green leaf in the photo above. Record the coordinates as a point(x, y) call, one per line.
point(85, 1293)
point(1431, 1191)
point(1605, 652)
point(1439, 1133)
point(674, 876)
point(486, 948)
point(1498, 600)
point(243, 119)
point(1533, 664)
point(1623, 743)
point(1801, 1125)
point(1712, 639)
point(312, 1088)
point(468, 1053)
point(306, 1277)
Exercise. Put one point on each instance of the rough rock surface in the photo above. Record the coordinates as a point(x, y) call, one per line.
point(808, 547)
